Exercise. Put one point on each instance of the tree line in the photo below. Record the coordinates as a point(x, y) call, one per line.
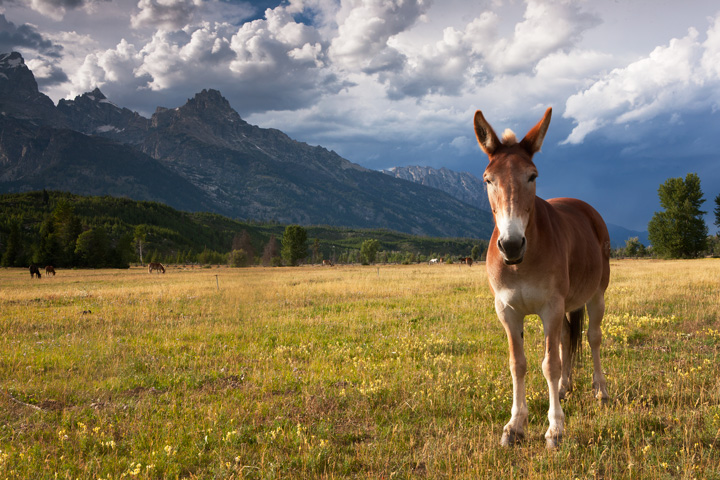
point(68, 231)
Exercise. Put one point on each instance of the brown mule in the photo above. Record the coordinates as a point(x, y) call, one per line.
point(547, 258)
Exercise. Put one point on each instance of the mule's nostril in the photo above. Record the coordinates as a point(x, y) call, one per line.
point(512, 248)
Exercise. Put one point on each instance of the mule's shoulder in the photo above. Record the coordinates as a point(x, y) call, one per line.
point(575, 210)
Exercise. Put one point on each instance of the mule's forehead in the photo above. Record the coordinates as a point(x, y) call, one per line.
point(510, 158)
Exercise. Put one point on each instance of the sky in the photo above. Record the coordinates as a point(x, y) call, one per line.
point(634, 84)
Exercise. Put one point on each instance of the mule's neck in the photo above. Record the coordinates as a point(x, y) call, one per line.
point(533, 231)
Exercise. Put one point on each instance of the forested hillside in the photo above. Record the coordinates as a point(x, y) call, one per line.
point(67, 230)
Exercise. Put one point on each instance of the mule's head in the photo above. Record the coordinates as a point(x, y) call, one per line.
point(510, 179)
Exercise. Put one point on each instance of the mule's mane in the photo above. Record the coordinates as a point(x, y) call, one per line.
point(508, 137)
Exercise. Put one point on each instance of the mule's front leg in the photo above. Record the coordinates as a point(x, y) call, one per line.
point(552, 318)
point(514, 431)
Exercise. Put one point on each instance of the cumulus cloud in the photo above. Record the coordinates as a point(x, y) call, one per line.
point(478, 54)
point(271, 63)
point(711, 50)
point(438, 69)
point(681, 75)
point(13, 37)
point(284, 61)
point(171, 58)
point(117, 65)
point(364, 28)
point(548, 26)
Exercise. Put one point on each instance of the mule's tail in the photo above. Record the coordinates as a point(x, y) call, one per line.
point(576, 319)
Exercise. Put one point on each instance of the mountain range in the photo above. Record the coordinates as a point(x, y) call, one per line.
point(202, 156)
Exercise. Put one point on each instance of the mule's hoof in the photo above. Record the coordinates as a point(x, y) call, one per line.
point(511, 438)
point(553, 442)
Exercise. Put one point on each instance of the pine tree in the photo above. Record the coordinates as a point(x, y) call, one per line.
point(294, 244)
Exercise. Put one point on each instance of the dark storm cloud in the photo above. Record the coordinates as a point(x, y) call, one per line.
point(13, 37)
point(48, 74)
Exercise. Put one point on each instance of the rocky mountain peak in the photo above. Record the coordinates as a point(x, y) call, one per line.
point(210, 107)
point(208, 99)
point(92, 113)
point(207, 117)
point(96, 95)
point(15, 76)
point(12, 60)
point(19, 94)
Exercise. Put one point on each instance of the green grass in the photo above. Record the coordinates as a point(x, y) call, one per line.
point(343, 372)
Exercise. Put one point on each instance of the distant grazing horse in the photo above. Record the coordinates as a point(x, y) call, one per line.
point(156, 266)
point(327, 263)
point(467, 260)
point(546, 258)
point(49, 269)
point(433, 261)
point(34, 270)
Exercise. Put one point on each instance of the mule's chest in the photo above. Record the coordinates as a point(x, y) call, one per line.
point(524, 295)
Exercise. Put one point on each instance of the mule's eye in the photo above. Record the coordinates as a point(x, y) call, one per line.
point(532, 177)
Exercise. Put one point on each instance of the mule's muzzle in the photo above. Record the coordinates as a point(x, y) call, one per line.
point(512, 250)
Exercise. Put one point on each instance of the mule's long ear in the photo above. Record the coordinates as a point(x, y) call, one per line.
point(534, 138)
point(486, 136)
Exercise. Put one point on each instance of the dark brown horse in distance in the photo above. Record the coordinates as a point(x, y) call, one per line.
point(156, 266)
point(49, 270)
point(34, 270)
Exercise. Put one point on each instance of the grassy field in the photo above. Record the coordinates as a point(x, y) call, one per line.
point(343, 372)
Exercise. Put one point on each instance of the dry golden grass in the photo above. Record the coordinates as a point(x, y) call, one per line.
point(342, 372)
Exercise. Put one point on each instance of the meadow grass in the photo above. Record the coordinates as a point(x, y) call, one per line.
point(343, 372)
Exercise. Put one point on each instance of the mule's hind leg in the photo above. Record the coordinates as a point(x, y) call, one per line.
point(553, 316)
point(596, 310)
point(565, 385)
